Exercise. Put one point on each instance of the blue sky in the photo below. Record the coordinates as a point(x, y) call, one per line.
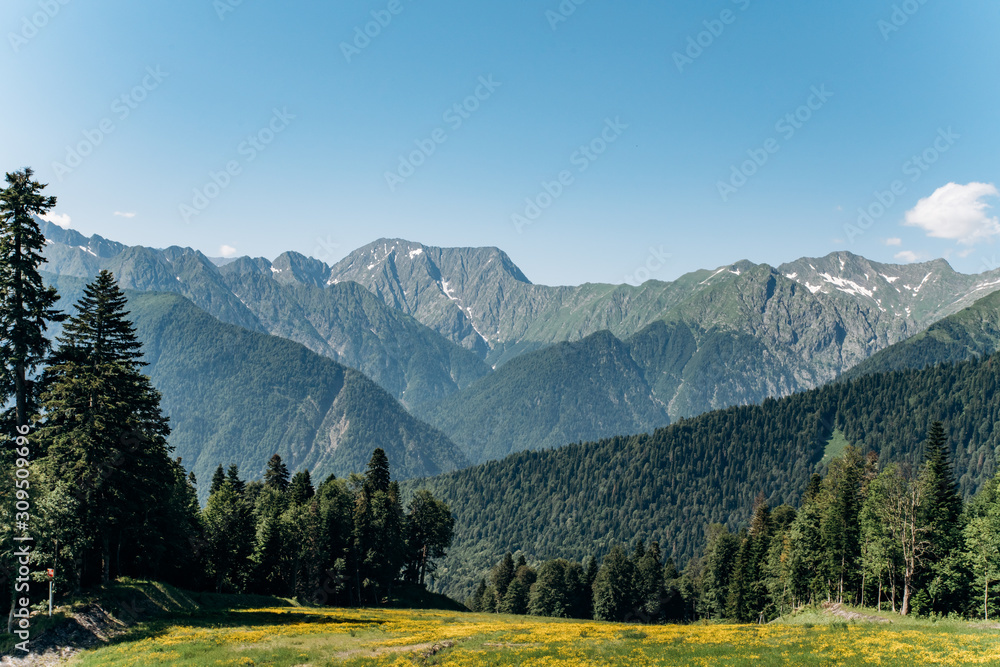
point(308, 128)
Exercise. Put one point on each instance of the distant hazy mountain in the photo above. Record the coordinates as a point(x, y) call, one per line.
point(237, 396)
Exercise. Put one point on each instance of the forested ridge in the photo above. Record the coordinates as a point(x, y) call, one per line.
point(670, 485)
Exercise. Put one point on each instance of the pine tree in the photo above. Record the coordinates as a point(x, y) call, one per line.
point(26, 305)
point(721, 552)
point(807, 581)
point(104, 432)
point(650, 581)
point(942, 579)
point(301, 489)
point(218, 479)
point(550, 595)
point(982, 542)
point(233, 477)
point(840, 521)
point(377, 475)
point(276, 475)
point(475, 603)
point(229, 539)
point(502, 575)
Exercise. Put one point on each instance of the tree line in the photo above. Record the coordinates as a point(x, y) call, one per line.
point(345, 542)
point(898, 538)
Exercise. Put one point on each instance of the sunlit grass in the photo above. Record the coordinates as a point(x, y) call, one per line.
point(299, 636)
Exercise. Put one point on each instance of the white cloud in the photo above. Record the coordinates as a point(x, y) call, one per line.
point(56, 219)
point(894, 241)
point(907, 256)
point(227, 251)
point(122, 214)
point(957, 212)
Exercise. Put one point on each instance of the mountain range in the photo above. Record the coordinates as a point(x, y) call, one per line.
point(466, 342)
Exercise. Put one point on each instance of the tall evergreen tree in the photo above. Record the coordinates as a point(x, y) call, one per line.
point(233, 477)
point(301, 489)
point(650, 582)
point(229, 536)
point(104, 432)
point(276, 474)
point(218, 479)
point(377, 476)
point(502, 575)
point(515, 601)
point(27, 306)
point(942, 578)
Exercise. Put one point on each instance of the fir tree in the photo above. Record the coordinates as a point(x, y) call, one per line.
point(233, 477)
point(104, 432)
point(377, 475)
point(276, 474)
point(430, 529)
point(942, 579)
point(218, 479)
point(502, 575)
point(301, 488)
point(27, 306)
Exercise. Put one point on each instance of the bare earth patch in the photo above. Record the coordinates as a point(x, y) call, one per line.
point(427, 650)
point(87, 628)
point(837, 609)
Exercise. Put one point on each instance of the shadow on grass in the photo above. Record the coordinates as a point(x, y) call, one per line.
point(220, 619)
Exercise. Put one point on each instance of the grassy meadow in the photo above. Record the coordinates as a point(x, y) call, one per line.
point(297, 636)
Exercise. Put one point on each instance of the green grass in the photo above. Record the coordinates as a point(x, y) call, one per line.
point(313, 636)
point(834, 447)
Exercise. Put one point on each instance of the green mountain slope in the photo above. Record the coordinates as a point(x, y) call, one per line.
point(972, 332)
point(670, 485)
point(564, 393)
